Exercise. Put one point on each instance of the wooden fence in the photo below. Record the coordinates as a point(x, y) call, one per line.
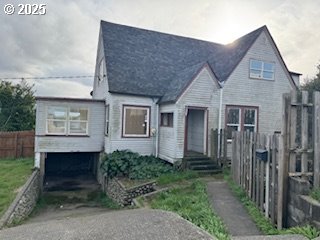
point(293, 153)
point(16, 144)
point(219, 147)
point(258, 177)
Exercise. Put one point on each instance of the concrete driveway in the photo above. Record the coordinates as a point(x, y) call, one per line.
point(136, 224)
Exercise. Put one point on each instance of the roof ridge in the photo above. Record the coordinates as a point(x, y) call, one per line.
point(165, 33)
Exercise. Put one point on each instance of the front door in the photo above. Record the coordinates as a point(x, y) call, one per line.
point(196, 131)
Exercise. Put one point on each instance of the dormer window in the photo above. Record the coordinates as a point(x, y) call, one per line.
point(261, 69)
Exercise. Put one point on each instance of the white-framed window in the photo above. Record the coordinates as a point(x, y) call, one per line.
point(106, 131)
point(67, 120)
point(261, 69)
point(166, 119)
point(78, 121)
point(135, 121)
point(241, 118)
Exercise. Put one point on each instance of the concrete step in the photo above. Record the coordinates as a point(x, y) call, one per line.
point(201, 162)
point(204, 167)
point(209, 171)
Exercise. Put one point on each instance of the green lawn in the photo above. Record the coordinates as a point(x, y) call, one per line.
point(13, 174)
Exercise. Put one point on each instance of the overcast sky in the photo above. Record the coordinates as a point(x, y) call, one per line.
point(63, 42)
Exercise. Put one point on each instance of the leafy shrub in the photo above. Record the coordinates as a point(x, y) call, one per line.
point(132, 165)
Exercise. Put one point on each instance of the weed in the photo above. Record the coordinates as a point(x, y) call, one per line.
point(261, 221)
point(176, 177)
point(315, 194)
point(192, 204)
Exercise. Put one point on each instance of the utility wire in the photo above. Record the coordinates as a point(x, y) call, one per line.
point(36, 78)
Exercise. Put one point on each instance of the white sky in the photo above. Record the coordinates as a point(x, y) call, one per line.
point(64, 41)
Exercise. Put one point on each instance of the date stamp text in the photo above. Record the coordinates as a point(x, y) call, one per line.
point(25, 9)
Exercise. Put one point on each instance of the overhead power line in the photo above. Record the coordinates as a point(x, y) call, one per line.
point(36, 78)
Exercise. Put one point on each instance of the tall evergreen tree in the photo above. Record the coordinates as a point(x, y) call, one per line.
point(17, 106)
point(313, 84)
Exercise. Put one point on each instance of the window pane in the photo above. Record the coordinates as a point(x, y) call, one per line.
point(78, 114)
point(136, 121)
point(233, 115)
point(255, 64)
point(230, 129)
point(58, 113)
point(167, 119)
point(57, 127)
point(268, 75)
point(249, 116)
point(250, 128)
point(268, 66)
point(78, 127)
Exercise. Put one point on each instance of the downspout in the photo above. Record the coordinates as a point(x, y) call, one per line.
point(157, 131)
point(220, 116)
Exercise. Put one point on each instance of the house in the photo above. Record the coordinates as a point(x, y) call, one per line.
point(160, 94)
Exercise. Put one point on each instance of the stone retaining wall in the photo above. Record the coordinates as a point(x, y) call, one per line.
point(24, 202)
point(123, 196)
point(302, 209)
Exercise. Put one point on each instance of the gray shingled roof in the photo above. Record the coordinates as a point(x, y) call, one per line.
point(149, 63)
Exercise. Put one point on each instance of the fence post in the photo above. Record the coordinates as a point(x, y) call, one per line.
point(304, 133)
point(293, 130)
point(283, 162)
point(316, 139)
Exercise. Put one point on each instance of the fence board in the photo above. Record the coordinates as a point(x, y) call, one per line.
point(316, 139)
point(293, 131)
point(304, 132)
point(17, 144)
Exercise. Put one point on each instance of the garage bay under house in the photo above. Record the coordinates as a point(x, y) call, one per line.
point(160, 94)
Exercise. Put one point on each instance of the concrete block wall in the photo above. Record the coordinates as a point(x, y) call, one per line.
point(302, 209)
point(24, 202)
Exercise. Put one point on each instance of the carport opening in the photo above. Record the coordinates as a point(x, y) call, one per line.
point(70, 171)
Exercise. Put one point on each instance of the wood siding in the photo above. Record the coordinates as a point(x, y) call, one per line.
point(100, 88)
point(202, 92)
point(94, 142)
point(115, 141)
point(239, 89)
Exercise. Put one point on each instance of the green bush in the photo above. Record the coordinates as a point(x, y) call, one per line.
point(132, 165)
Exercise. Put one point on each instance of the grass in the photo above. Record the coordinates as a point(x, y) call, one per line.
point(192, 204)
point(176, 177)
point(315, 194)
point(13, 174)
point(263, 223)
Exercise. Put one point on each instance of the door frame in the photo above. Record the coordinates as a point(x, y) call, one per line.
point(205, 125)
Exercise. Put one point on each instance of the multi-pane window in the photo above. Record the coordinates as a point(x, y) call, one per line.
point(261, 69)
point(166, 120)
point(240, 118)
point(67, 121)
point(78, 121)
point(57, 120)
point(136, 121)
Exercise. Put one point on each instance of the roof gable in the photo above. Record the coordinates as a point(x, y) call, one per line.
point(144, 62)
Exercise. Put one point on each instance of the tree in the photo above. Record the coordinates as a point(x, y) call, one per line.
point(17, 106)
point(312, 84)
